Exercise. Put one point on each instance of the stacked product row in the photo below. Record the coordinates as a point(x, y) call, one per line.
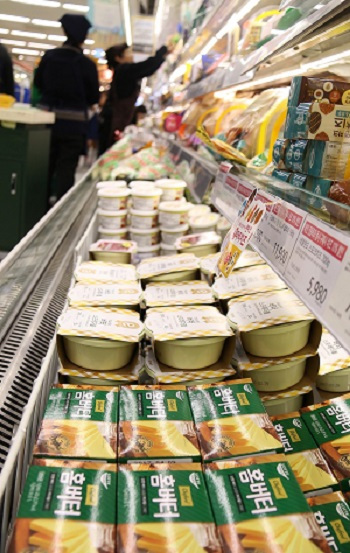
point(104, 476)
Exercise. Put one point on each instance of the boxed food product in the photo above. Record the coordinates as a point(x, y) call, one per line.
point(295, 158)
point(73, 508)
point(155, 422)
point(276, 324)
point(163, 294)
point(258, 506)
point(124, 294)
point(329, 160)
point(99, 339)
point(191, 337)
point(314, 89)
point(334, 373)
point(332, 514)
point(164, 508)
point(99, 271)
point(309, 466)
point(79, 422)
point(279, 151)
point(318, 121)
point(231, 420)
point(329, 423)
point(113, 251)
point(282, 174)
point(172, 268)
point(208, 264)
point(202, 244)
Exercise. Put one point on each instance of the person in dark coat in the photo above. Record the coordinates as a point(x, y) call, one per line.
point(7, 85)
point(68, 83)
point(118, 111)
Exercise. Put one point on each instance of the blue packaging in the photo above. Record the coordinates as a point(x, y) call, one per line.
point(295, 156)
point(298, 180)
point(279, 150)
point(297, 122)
point(282, 175)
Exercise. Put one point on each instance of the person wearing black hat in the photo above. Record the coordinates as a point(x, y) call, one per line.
point(68, 83)
point(118, 111)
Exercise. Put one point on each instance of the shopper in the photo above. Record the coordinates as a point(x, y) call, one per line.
point(7, 85)
point(118, 111)
point(68, 82)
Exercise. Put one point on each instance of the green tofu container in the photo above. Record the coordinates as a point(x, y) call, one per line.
point(190, 353)
point(277, 341)
point(281, 406)
point(337, 381)
point(278, 377)
point(98, 354)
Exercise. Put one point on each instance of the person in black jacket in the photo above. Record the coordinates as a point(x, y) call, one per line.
point(7, 85)
point(118, 111)
point(68, 83)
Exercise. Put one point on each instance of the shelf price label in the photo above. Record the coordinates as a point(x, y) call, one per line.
point(337, 310)
point(230, 192)
point(278, 232)
point(316, 265)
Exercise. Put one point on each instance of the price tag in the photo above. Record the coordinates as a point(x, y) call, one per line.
point(230, 192)
point(337, 310)
point(278, 232)
point(316, 264)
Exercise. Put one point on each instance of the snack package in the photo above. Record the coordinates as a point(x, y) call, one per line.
point(231, 421)
point(156, 423)
point(258, 506)
point(326, 122)
point(73, 509)
point(332, 514)
point(314, 89)
point(164, 508)
point(79, 422)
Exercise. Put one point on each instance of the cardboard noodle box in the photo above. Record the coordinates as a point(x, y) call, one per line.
point(332, 514)
point(231, 420)
point(73, 508)
point(169, 512)
point(309, 466)
point(79, 422)
point(156, 423)
point(258, 506)
point(99, 271)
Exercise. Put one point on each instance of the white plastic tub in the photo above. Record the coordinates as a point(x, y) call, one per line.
point(145, 184)
point(146, 252)
point(145, 199)
point(204, 223)
point(112, 220)
point(173, 214)
point(111, 184)
point(167, 249)
point(196, 210)
point(172, 189)
point(113, 199)
point(145, 237)
point(170, 235)
point(112, 234)
point(144, 219)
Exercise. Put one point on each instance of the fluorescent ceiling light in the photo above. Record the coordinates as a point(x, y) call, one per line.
point(89, 41)
point(15, 18)
point(127, 22)
point(46, 23)
point(40, 36)
point(13, 42)
point(41, 45)
point(26, 52)
point(76, 8)
point(43, 3)
point(56, 38)
point(4, 31)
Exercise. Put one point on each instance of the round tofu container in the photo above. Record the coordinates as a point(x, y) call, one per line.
point(196, 210)
point(145, 184)
point(97, 354)
point(190, 274)
point(223, 227)
point(277, 341)
point(278, 377)
point(112, 220)
point(281, 406)
point(167, 249)
point(144, 219)
point(190, 353)
point(112, 234)
point(145, 237)
point(172, 189)
point(204, 223)
point(201, 244)
point(170, 235)
point(113, 199)
point(145, 199)
point(173, 214)
point(113, 251)
point(146, 252)
point(111, 184)
point(337, 381)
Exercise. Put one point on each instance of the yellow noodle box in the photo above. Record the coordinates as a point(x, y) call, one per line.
point(155, 422)
point(231, 420)
point(332, 513)
point(308, 464)
point(259, 507)
point(79, 422)
point(164, 508)
point(67, 507)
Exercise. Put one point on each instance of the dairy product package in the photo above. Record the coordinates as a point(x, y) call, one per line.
point(124, 294)
point(332, 514)
point(334, 373)
point(99, 271)
point(162, 294)
point(169, 268)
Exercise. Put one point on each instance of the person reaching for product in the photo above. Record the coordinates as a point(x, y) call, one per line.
point(68, 83)
point(118, 110)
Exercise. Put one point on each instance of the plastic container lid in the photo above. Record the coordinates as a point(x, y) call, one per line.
point(142, 183)
point(113, 192)
point(120, 213)
point(145, 249)
point(144, 231)
point(196, 210)
point(144, 213)
point(170, 183)
point(203, 221)
point(146, 192)
point(111, 184)
point(174, 207)
point(180, 228)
